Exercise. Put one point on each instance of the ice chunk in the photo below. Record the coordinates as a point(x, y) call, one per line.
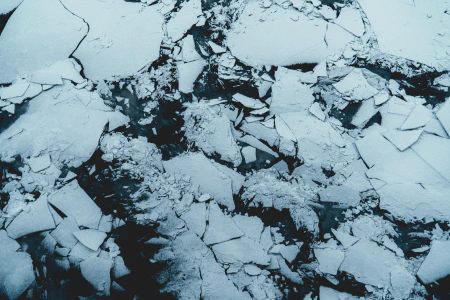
point(73, 201)
point(63, 234)
point(38, 47)
point(237, 180)
point(330, 294)
point(329, 259)
point(401, 24)
point(251, 226)
point(39, 163)
point(15, 90)
point(221, 227)
point(355, 86)
point(289, 253)
point(188, 51)
point(32, 91)
point(36, 218)
point(420, 116)
point(91, 238)
point(249, 154)
point(345, 239)
point(316, 110)
point(188, 73)
point(366, 111)
point(406, 167)
point(435, 127)
point(184, 19)
point(8, 244)
point(210, 129)
point(436, 265)
point(195, 218)
point(370, 264)
point(341, 194)
point(436, 152)
point(204, 176)
point(248, 102)
point(444, 116)
point(71, 135)
point(412, 202)
point(241, 250)
point(403, 139)
point(109, 49)
point(119, 269)
point(350, 19)
point(16, 271)
point(381, 97)
point(373, 147)
point(216, 48)
point(258, 29)
point(289, 94)
point(80, 253)
point(97, 272)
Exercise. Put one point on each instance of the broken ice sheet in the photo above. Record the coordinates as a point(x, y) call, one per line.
point(71, 135)
point(256, 31)
point(73, 201)
point(36, 46)
point(210, 130)
point(204, 176)
point(184, 19)
point(355, 86)
point(402, 24)
point(109, 49)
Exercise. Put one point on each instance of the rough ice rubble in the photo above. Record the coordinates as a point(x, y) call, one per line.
point(109, 49)
point(78, 115)
point(30, 42)
point(185, 206)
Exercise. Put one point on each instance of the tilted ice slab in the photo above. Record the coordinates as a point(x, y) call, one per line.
point(415, 31)
point(436, 265)
point(68, 127)
point(16, 268)
point(374, 265)
point(412, 202)
point(204, 176)
point(73, 201)
point(38, 34)
point(282, 37)
point(123, 37)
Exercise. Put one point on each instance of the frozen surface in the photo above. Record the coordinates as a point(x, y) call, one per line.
point(258, 29)
point(109, 49)
point(30, 42)
point(402, 24)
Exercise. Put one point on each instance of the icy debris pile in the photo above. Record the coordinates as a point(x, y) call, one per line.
point(245, 149)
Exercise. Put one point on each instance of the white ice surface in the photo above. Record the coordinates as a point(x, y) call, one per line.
point(204, 176)
point(399, 26)
point(70, 135)
point(97, 272)
point(436, 265)
point(30, 42)
point(184, 19)
point(7, 6)
point(221, 227)
point(412, 202)
point(73, 201)
point(123, 37)
point(257, 30)
point(63, 233)
point(37, 217)
point(329, 259)
point(91, 238)
point(188, 73)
